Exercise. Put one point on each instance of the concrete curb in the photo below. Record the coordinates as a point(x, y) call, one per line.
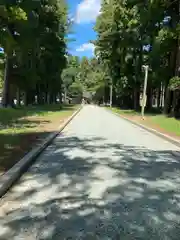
point(11, 176)
point(153, 131)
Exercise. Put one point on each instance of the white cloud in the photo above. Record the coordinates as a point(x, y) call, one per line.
point(87, 11)
point(86, 47)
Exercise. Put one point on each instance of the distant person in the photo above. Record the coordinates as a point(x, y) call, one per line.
point(83, 101)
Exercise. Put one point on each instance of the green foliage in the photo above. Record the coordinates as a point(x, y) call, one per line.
point(132, 33)
point(33, 34)
point(75, 89)
point(83, 77)
point(174, 83)
point(12, 15)
point(91, 74)
point(69, 76)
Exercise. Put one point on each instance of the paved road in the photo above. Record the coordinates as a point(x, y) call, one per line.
point(102, 178)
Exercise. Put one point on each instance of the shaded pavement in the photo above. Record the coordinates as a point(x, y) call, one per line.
point(102, 178)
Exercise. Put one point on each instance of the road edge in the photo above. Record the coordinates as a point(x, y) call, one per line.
point(153, 131)
point(13, 174)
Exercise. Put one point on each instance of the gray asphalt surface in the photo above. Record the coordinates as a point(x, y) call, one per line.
point(102, 178)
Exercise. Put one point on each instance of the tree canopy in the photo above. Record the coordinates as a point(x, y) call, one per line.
point(132, 33)
point(33, 35)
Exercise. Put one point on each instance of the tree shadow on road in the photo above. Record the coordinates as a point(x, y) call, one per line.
point(73, 193)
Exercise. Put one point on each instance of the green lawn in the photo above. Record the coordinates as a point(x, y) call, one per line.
point(170, 125)
point(25, 118)
point(121, 111)
point(23, 128)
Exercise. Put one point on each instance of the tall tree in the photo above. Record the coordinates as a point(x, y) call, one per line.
point(132, 33)
point(34, 39)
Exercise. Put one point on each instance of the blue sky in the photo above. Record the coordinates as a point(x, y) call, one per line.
point(84, 13)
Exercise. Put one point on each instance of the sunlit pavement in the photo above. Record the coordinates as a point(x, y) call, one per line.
point(102, 178)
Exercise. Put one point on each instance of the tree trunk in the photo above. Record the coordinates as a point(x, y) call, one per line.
point(149, 96)
point(174, 102)
point(159, 98)
point(28, 98)
point(162, 96)
point(18, 95)
point(167, 103)
point(39, 95)
point(177, 73)
point(60, 97)
point(25, 99)
point(5, 99)
point(46, 95)
point(136, 98)
point(167, 95)
point(175, 8)
point(51, 98)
